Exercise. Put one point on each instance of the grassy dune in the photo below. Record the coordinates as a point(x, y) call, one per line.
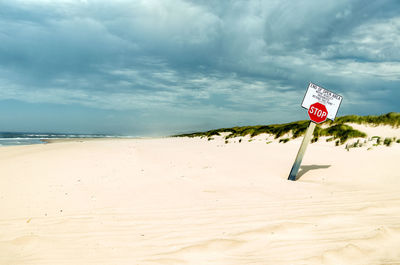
point(339, 129)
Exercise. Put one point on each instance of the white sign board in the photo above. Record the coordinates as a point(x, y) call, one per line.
point(318, 94)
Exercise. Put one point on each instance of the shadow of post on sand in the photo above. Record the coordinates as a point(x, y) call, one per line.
point(304, 169)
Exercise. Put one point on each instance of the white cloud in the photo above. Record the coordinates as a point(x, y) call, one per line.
point(195, 57)
point(376, 40)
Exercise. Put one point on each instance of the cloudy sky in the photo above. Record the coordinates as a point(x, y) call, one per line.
point(156, 67)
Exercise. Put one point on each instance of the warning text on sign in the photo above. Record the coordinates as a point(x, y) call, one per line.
point(319, 94)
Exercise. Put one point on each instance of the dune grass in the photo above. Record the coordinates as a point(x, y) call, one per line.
point(342, 132)
point(391, 119)
point(337, 130)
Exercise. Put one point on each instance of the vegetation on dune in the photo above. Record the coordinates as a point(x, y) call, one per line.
point(338, 129)
point(388, 141)
point(342, 132)
point(391, 118)
point(297, 128)
point(207, 134)
point(278, 130)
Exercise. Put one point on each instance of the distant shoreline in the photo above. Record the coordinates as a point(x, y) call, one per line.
point(18, 141)
point(61, 140)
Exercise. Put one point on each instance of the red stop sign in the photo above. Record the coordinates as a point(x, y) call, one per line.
point(317, 112)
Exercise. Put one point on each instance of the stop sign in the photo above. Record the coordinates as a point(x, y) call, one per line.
point(317, 112)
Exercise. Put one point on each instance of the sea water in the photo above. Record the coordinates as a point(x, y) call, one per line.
point(17, 138)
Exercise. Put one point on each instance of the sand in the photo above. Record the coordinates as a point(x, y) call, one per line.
point(193, 201)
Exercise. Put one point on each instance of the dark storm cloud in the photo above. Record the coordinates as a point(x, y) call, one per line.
point(242, 60)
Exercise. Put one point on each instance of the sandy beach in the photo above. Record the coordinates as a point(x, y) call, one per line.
point(163, 132)
point(193, 201)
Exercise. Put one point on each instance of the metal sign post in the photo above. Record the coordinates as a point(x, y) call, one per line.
point(302, 150)
point(321, 104)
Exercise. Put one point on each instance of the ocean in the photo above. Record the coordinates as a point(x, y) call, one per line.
point(22, 138)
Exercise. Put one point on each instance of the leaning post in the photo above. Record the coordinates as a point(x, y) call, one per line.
point(302, 150)
point(321, 104)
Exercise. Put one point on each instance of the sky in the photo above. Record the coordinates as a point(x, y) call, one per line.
point(160, 67)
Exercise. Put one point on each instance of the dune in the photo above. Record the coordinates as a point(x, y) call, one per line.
point(194, 201)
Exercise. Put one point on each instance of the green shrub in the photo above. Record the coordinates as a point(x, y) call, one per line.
point(284, 140)
point(387, 141)
point(356, 144)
